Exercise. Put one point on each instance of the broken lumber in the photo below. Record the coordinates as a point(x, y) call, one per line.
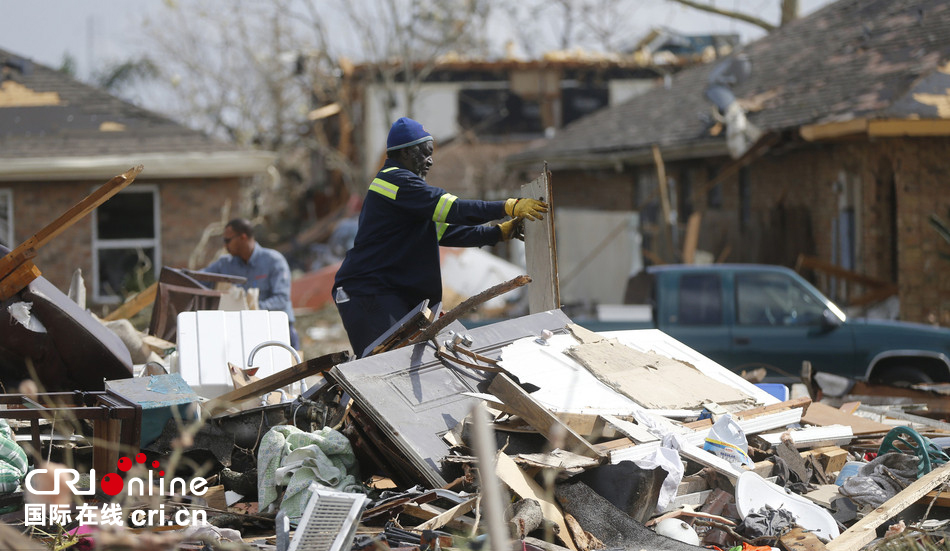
point(526, 488)
point(863, 531)
point(548, 424)
point(540, 248)
point(282, 378)
point(466, 306)
point(410, 324)
point(135, 304)
point(14, 261)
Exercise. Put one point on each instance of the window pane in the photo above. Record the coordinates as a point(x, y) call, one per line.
point(124, 271)
point(127, 216)
point(775, 299)
point(700, 300)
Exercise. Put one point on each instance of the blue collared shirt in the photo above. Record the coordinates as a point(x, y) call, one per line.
point(266, 270)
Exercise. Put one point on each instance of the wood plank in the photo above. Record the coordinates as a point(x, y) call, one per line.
point(541, 250)
point(448, 516)
point(18, 279)
point(831, 458)
point(526, 488)
point(892, 128)
point(552, 428)
point(829, 130)
point(415, 320)
point(823, 415)
point(134, 304)
point(666, 228)
point(692, 237)
point(280, 379)
point(863, 531)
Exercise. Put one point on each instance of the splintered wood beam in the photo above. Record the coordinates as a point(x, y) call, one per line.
point(862, 532)
point(27, 249)
point(281, 378)
point(548, 424)
point(135, 304)
point(466, 306)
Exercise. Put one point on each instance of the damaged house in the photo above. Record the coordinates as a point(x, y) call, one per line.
point(60, 139)
point(827, 138)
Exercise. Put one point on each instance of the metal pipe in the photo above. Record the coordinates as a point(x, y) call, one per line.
point(250, 357)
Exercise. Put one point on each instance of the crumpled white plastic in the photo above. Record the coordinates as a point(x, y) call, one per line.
point(669, 459)
point(21, 313)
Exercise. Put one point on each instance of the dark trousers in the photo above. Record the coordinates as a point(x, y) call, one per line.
point(294, 337)
point(365, 318)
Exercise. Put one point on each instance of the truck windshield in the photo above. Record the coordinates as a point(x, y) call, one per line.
point(775, 299)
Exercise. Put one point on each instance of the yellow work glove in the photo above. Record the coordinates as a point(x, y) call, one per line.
point(525, 207)
point(513, 228)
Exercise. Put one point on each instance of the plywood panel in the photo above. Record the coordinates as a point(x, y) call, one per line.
point(541, 250)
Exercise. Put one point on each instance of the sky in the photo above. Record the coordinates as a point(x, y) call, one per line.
point(96, 33)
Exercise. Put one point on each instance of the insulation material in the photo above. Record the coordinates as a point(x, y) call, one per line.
point(644, 377)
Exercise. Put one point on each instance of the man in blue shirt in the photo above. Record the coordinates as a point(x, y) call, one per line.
point(394, 262)
point(264, 269)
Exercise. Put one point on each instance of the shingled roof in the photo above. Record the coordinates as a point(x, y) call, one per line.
point(852, 60)
point(50, 122)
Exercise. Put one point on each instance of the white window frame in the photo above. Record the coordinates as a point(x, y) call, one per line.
point(103, 244)
point(6, 203)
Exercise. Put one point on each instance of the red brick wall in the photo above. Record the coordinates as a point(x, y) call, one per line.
point(187, 207)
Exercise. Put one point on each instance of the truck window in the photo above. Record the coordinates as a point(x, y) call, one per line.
point(775, 299)
point(700, 300)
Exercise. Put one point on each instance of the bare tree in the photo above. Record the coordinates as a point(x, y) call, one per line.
point(279, 74)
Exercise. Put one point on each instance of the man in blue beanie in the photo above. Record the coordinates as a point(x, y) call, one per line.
point(394, 263)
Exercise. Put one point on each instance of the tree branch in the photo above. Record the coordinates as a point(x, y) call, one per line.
point(728, 13)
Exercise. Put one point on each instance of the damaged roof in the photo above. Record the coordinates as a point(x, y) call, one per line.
point(47, 117)
point(854, 59)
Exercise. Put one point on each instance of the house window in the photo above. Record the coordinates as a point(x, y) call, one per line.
point(6, 218)
point(126, 249)
point(490, 112)
point(578, 102)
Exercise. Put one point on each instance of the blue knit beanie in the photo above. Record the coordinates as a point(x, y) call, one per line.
point(405, 133)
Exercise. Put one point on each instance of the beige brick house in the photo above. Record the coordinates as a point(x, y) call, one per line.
point(849, 163)
point(61, 139)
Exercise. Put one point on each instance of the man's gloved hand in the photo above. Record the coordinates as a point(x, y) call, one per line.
point(512, 229)
point(525, 207)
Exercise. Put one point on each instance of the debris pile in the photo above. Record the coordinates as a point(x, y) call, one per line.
point(532, 432)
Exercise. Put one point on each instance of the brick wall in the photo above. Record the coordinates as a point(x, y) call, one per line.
point(891, 183)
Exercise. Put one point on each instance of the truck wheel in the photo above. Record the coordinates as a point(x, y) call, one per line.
point(903, 376)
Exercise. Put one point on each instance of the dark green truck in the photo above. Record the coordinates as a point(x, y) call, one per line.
point(746, 316)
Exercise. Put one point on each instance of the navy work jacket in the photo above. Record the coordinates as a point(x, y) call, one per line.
point(402, 223)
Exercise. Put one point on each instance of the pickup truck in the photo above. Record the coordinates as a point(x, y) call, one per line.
point(746, 316)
